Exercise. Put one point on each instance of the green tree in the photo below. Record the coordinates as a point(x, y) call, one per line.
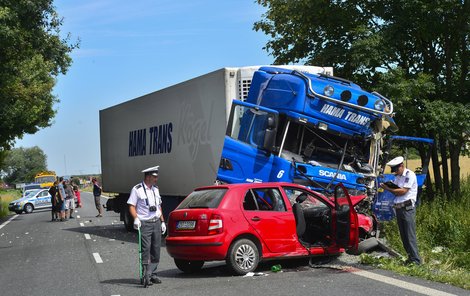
point(415, 52)
point(22, 164)
point(32, 55)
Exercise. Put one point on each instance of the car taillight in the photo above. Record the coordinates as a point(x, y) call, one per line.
point(216, 225)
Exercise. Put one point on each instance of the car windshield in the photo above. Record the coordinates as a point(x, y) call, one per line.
point(32, 192)
point(209, 198)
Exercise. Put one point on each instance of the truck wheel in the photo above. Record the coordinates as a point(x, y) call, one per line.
point(189, 266)
point(128, 221)
point(28, 208)
point(243, 257)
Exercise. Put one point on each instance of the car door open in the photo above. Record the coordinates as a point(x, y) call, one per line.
point(346, 229)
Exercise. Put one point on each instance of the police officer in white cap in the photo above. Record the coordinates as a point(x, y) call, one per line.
point(405, 192)
point(145, 207)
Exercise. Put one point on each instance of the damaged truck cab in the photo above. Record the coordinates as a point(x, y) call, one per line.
point(311, 129)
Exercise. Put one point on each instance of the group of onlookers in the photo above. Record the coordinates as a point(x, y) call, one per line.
point(63, 194)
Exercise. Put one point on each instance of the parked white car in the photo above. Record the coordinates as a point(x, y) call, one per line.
point(32, 199)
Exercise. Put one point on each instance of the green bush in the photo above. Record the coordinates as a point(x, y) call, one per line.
point(3, 209)
point(6, 196)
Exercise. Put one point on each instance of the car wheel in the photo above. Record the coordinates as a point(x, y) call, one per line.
point(189, 266)
point(18, 212)
point(28, 208)
point(243, 257)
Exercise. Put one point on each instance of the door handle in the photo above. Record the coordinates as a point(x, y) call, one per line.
point(255, 218)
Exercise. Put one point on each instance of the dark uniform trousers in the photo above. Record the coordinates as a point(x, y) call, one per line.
point(151, 241)
point(407, 226)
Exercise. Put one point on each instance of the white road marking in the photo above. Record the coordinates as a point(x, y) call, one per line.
point(81, 224)
point(87, 236)
point(78, 216)
point(8, 221)
point(76, 211)
point(97, 258)
point(399, 283)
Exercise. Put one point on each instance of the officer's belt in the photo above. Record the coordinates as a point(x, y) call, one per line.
point(153, 220)
point(403, 204)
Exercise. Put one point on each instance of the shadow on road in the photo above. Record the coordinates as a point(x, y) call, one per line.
point(133, 283)
point(220, 269)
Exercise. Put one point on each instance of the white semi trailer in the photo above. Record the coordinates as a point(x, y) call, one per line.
point(180, 128)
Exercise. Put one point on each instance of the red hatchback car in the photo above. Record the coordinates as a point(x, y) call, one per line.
point(245, 223)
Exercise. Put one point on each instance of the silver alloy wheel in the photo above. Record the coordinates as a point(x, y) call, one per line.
point(245, 257)
point(28, 208)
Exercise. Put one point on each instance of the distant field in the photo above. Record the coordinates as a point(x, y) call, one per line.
point(464, 166)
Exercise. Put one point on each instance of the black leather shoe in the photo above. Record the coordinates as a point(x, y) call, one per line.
point(155, 280)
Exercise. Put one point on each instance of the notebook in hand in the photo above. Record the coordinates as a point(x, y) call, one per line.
point(391, 185)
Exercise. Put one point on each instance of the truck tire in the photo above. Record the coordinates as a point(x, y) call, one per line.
point(189, 266)
point(128, 220)
point(242, 257)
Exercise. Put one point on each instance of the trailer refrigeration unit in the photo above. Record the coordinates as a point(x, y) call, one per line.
point(294, 124)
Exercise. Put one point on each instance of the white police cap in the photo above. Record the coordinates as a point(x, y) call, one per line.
point(151, 171)
point(396, 161)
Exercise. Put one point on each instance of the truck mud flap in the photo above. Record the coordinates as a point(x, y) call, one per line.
point(110, 206)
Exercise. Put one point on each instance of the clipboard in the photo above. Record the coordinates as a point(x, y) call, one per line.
point(391, 185)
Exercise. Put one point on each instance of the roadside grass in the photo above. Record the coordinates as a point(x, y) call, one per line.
point(6, 196)
point(443, 231)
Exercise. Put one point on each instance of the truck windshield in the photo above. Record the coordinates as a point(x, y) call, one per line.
point(306, 143)
point(45, 179)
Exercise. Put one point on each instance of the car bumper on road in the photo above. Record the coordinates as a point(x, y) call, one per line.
point(197, 248)
point(14, 208)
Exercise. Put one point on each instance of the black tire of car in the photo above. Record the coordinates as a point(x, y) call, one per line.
point(243, 257)
point(28, 208)
point(189, 266)
point(18, 212)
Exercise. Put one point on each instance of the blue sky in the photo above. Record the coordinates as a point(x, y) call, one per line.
point(131, 48)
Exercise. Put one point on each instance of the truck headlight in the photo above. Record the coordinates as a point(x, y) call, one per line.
point(329, 90)
point(379, 105)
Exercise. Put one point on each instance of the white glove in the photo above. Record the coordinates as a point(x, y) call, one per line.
point(137, 223)
point(163, 228)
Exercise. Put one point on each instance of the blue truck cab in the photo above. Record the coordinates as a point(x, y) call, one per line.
point(311, 129)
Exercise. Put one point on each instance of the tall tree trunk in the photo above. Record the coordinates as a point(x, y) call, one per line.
point(424, 153)
point(454, 150)
point(445, 166)
point(435, 164)
point(429, 189)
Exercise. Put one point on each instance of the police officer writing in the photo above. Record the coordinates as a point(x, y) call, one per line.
point(145, 207)
point(405, 192)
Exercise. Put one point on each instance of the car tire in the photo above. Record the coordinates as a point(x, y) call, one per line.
point(243, 257)
point(18, 212)
point(28, 208)
point(189, 266)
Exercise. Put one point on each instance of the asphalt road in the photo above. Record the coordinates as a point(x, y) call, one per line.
point(96, 256)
